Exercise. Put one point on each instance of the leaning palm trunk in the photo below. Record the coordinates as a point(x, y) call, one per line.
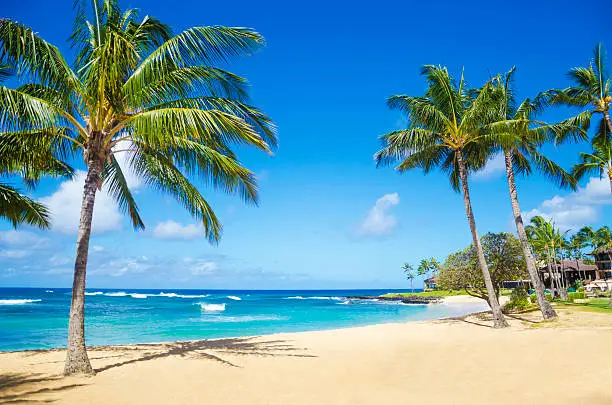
point(77, 361)
point(498, 317)
point(547, 310)
point(608, 121)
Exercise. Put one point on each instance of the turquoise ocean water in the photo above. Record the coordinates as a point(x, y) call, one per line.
point(37, 318)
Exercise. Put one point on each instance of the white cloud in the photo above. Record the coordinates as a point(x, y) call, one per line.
point(65, 207)
point(575, 209)
point(495, 166)
point(21, 238)
point(379, 222)
point(14, 253)
point(65, 204)
point(173, 230)
point(203, 268)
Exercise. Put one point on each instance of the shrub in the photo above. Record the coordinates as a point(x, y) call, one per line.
point(575, 296)
point(534, 299)
point(581, 289)
point(519, 300)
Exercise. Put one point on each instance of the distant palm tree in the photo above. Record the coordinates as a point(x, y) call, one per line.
point(597, 162)
point(547, 241)
point(30, 160)
point(445, 130)
point(408, 271)
point(522, 156)
point(140, 89)
point(591, 90)
point(423, 268)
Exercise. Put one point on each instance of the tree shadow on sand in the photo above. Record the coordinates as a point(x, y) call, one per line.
point(204, 349)
point(19, 388)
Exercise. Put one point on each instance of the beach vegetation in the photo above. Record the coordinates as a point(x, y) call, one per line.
point(460, 270)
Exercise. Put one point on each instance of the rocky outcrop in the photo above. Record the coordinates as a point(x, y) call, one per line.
point(406, 299)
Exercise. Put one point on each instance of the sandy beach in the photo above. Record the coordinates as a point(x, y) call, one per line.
point(452, 361)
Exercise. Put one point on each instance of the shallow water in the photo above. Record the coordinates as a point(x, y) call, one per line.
point(38, 318)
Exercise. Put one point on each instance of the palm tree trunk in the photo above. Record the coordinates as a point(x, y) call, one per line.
point(563, 279)
point(498, 317)
point(610, 179)
point(77, 361)
point(608, 121)
point(553, 283)
point(547, 310)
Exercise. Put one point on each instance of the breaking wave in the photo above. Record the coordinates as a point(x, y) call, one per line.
point(212, 307)
point(17, 302)
point(233, 297)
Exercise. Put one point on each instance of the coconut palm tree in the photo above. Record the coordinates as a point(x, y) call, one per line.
point(136, 88)
point(423, 268)
point(522, 156)
point(547, 241)
point(446, 130)
point(409, 272)
point(591, 90)
point(599, 161)
point(28, 160)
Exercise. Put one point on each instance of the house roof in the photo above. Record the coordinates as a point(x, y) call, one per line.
point(603, 249)
point(570, 265)
point(433, 279)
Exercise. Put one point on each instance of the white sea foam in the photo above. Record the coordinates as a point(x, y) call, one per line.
point(141, 296)
point(233, 297)
point(116, 294)
point(48, 291)
point(345, 302)
point(212, 307)
point(299, 297)
point(175, 295)
point(245, 318)
point(94, 293)
point(17, 302)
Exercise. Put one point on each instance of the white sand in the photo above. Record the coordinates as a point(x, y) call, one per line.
point(435, 362)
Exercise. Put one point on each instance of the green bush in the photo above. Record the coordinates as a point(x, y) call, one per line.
point(581, 289)
point(534, 299)
point(519, 300)
point(575, 296)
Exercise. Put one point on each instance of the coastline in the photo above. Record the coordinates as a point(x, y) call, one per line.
point(457, 360)
point(457, 303)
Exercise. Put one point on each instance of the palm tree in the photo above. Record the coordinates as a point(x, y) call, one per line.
point(599, 161)
point(547, 241)
point(29, 160)
point(423, 268)
point(522, 155)
point(591, 89)
point(137, 88)
point(409, 272)
point(445, 130)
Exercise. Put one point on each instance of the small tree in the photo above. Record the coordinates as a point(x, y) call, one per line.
point(503, 251)
point(409, 272)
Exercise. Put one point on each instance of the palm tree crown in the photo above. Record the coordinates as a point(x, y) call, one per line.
point(138, 88)
point(591, 90)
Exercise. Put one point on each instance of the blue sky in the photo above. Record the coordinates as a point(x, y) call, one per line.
point(328, 218)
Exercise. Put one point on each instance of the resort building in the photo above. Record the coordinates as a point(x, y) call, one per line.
point(430, 283)
point(603, 262)
point(572, 270)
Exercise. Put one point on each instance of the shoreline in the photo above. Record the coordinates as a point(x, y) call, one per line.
point(454, 360)
point(450, 300)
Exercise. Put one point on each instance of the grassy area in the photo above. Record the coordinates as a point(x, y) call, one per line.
point(594, 305)
point(435, 293)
